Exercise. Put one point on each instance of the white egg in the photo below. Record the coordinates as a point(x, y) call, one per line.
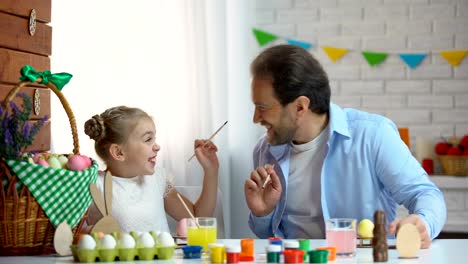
point(127, 241)
point(146, 240)
point(87, 242)
point(155, 235)
point(108, 242)
point(166, 239)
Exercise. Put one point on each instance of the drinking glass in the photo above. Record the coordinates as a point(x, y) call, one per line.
point(201, 231)
point(341, 233)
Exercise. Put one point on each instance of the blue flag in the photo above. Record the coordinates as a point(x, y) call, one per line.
point(413, 60)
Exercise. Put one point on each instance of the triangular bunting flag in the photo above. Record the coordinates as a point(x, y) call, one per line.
point(454, 57)
point(263, 37)
point(334, 53)
point(301, 44)
point(412, 60)
point(374, 58)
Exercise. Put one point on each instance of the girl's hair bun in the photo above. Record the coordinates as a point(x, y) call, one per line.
point(95, 128)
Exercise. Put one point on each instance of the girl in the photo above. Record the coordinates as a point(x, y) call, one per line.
point(142, 194)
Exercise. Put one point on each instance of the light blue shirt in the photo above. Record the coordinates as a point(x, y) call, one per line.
point(367, 167)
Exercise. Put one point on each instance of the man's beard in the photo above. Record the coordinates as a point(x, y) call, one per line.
point(282, 135)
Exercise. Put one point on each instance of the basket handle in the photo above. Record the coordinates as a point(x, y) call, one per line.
point(66, 106)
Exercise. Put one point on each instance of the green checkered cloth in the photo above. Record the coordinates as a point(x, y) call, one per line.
point(63, 194)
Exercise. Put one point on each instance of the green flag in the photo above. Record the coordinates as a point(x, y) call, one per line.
point(263, 37)
point(374, 58)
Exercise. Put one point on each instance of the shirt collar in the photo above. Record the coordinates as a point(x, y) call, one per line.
point(337, 121)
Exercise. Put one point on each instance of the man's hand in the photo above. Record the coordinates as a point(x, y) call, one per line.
point(418, 222)
point(262, 201)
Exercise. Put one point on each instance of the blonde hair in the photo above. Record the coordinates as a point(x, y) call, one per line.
point(113, 126)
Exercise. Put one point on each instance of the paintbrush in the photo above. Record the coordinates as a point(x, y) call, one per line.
point(212, 136)
point(188, 210)
point(268, 177)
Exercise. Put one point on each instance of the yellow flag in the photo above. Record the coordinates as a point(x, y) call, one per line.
point(454, 57)
point(334, 53)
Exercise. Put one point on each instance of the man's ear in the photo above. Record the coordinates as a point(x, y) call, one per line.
point(116, 152)
point(301, 105)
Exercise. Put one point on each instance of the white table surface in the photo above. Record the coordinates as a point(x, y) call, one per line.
point(441, 251)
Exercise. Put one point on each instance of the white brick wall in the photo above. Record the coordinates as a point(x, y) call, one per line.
point(432, 100)
point(433, 97)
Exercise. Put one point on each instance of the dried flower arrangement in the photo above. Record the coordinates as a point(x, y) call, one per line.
point(16, 133)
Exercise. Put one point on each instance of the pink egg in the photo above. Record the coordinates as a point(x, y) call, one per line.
point(76, 163)
point(87, 160)
point(182, 227)
point(36, 157)
point(43, 163)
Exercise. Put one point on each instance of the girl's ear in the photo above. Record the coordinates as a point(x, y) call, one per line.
point(116, 152)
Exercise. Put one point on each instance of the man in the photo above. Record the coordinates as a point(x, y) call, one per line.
point(320, 161)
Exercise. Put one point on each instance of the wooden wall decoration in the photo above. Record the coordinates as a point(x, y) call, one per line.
point(26, 38)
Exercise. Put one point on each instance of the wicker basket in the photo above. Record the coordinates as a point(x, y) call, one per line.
point(24, 227)
point(454, 165)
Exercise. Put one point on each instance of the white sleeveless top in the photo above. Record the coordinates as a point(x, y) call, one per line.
point(138, 202)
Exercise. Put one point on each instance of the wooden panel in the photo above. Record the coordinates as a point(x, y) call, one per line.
point(12, 61)
point(44, 95)
point(23, 8)
point(42, 140)
point(14, 34)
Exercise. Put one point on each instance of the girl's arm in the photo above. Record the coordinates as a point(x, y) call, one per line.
point(206, 154)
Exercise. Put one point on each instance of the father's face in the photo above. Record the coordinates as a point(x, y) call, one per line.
point(278, 120)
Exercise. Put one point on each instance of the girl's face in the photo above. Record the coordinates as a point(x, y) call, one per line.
point(141, 148)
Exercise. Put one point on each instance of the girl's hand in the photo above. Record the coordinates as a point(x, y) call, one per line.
point(205, 151)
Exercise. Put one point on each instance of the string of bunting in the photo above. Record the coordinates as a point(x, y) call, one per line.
point(412, 60)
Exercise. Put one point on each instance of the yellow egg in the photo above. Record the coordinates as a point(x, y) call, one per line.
point(365, 228)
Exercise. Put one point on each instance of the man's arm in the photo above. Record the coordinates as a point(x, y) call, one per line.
point(261, 226)
point(406, 180)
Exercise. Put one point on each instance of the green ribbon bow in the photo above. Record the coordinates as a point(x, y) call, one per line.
point(28, 73)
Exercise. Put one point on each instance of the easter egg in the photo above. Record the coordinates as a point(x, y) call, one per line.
point(63, 161)
point(76, 163)
point(54, 162)
point(108, 242)
point(146, 240)
point(87, 242)
point(127, 241)
point(165, 239)
point(365, 228)
point(43, 162)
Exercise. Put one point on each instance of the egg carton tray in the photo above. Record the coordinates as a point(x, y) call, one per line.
point(122, 254)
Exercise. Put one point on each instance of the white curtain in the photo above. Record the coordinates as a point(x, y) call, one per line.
point(184, 62)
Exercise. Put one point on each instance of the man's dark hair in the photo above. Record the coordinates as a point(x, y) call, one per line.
point(294, 72)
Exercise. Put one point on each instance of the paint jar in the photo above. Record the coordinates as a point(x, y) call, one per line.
point(247, 249)
point(217, 252)
point(331, 252)
point(293, 256)
point(291, 244)
point(273, 253)
point(276, 241)
point(192, 252)
point(233, 254)
point(304, 245)
point(318, 256)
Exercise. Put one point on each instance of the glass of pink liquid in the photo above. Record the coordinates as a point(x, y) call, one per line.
point(341, 233)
